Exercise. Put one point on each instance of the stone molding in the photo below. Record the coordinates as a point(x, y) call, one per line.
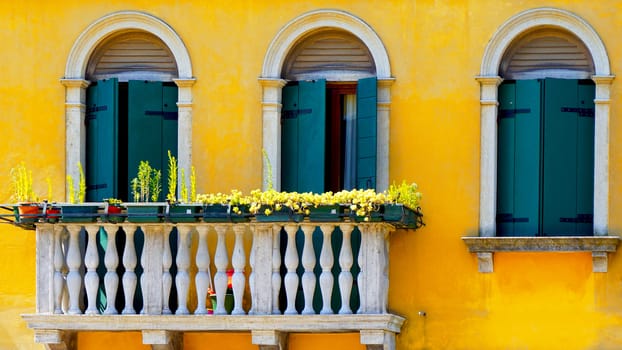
point(485, 247)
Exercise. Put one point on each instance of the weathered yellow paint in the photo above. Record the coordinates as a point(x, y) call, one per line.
point(532, 300)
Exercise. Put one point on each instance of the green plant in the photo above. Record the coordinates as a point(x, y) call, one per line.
point(183, 191)
point(172, 178)
point(113, 201)
point(405, 193)
point(193, 185)
point(21, 182)
point(269, 182)
point(147, 183)
point(77, 195)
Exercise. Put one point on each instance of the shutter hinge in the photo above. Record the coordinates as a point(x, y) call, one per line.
point(293, 113)
point(506, 217)
point(511, 113)
point(164, 115)
point(582, 112)
point(96, 187)
point(580, 219)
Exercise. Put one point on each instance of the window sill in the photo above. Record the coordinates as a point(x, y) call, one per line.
point(485, 247)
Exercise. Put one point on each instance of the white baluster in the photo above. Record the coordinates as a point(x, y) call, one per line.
point(91, 261)
point(202, 277)
point(74, 262)
point(59, 267)
point(182, 280)
point(129, 262)
point(111, 279)
point(251, 278)
point(238, 260)
point(326, 261)
point(167, 279)
point(221, 260)
point(276, 268)
point(308, 262)
point(345, 261)
point(363, 271)
point(291, 262)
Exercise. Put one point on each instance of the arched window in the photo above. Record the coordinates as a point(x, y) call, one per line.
point(547, 107)
point(326, 58)
point(115, 72)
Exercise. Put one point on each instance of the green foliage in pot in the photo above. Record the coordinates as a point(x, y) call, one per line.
point(146, 186)
point(21, 184)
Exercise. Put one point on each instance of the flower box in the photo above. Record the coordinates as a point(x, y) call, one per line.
point(326, 213)
point(145, 212)
point(114, 214)
point(282, 215)
point(79, 212)
point(179, 213)
point(402, 216)
point(27, 213)
point(216, 213)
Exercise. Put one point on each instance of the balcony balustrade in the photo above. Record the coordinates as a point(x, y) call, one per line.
point(157, 278)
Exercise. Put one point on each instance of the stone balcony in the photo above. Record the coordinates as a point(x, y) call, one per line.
point(269, 279)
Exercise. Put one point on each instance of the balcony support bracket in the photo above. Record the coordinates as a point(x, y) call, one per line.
point(163, 340)
point(270, 339)
point(55, 339)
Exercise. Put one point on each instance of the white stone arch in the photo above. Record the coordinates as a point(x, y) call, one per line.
point(489, 80)
point(75, 83)
point(272, 82)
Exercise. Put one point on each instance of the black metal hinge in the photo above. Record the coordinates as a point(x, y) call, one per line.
point(164, 115)
point(580, 219)
point(511, 113)
point(583, 112)
point(293, 113)
point(505, 217)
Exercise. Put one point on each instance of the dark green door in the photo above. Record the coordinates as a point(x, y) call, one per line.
point(545, 161)
point(102, 140)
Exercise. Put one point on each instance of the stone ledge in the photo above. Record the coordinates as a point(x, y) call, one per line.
point(269, 331)
point(484, 247)
point(205, 323)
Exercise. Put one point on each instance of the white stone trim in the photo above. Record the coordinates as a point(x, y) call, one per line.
point(539, 18)
point(489, 81)
point(75, 85)
point(272, 83)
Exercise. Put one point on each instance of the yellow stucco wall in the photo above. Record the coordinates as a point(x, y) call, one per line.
point(531, 301)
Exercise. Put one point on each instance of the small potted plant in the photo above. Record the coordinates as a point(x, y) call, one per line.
point(323, 207)
point(181, 211)
point(76, 210)
point(239, 205)
point(113, 210)
point(146, 188)
point(27, 210)
point(52, 211)
point(403, 205)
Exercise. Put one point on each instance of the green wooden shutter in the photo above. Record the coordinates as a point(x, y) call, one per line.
point(585, 158)
point(145, 127)
point(303, 137)
point(568, 158)
point(289, 138)
point(102, 140)
point(366, 134)
point(169, 131)
point(518, 158)
point(527, 158)
point(505, 159)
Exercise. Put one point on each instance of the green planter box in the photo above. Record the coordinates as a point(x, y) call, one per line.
point(145, 212)
point(285, 214)
point(401, 216)
point(243, 216)
point(326, 213)
point(184, 213)
point(216, 213)
point(79, 212)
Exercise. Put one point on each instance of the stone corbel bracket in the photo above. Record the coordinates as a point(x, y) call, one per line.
point(485, 247)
